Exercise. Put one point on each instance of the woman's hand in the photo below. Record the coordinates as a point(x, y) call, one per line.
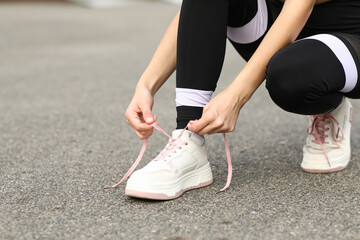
point(220, 114)
point(162, 65)
point(139, 115)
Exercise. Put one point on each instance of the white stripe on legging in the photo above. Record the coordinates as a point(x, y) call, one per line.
point(344, 56)
point(192, 97)
point(254, 29)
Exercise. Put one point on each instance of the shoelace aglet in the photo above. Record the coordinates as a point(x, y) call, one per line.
point(228, 156)
point(126, 176)
point(113, 186)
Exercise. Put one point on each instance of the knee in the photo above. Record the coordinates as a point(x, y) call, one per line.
point(285, 80)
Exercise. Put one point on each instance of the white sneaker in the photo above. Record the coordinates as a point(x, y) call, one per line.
point(327, 147)
point(181, 166)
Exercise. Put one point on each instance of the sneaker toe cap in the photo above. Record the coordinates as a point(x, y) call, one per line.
point(142, 178)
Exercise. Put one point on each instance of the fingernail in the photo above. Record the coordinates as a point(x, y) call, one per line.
point(149, 119)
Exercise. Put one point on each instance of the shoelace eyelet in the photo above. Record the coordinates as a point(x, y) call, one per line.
point(318, 129)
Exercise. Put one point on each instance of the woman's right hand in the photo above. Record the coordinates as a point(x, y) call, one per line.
point(139, 115)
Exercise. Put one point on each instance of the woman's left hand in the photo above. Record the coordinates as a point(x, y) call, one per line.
point(220, 114)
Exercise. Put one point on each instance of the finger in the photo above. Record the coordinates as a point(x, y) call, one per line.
point(136, 123)
point(147, 132)
point(149, 118)
point(141, 136)
point(210, 129)
point(213, 130)
point(139, 125)
point(198, 125)
point(223, 128)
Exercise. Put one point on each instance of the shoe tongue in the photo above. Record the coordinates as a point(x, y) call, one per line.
point(177, 132)
point(199, 140)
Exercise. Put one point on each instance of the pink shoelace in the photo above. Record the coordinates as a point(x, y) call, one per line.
point(318, 129)
point(172, 144)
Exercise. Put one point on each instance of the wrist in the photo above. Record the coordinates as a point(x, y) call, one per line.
point(148, 85)
point(152, 82)
point(240, 94)
point(246, 83)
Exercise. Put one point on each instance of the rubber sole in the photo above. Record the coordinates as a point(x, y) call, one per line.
point(162, 196)
point(198, 178)
point(313, 168)
point(331, 170)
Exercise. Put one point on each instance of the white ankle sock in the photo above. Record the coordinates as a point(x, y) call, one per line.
point(199, 140)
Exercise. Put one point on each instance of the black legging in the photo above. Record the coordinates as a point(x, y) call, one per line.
point(308, 77)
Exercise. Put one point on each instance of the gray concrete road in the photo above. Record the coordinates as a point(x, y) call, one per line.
point(67, 74)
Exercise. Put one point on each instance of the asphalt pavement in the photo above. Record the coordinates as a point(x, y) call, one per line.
point(67, 74)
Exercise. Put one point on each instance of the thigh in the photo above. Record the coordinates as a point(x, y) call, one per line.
point(346, 48)
point(352, 63)
point(300, 75)
point(248, 22)
point(311, 75)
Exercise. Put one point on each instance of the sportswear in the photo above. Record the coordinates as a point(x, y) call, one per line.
point(320, 68)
